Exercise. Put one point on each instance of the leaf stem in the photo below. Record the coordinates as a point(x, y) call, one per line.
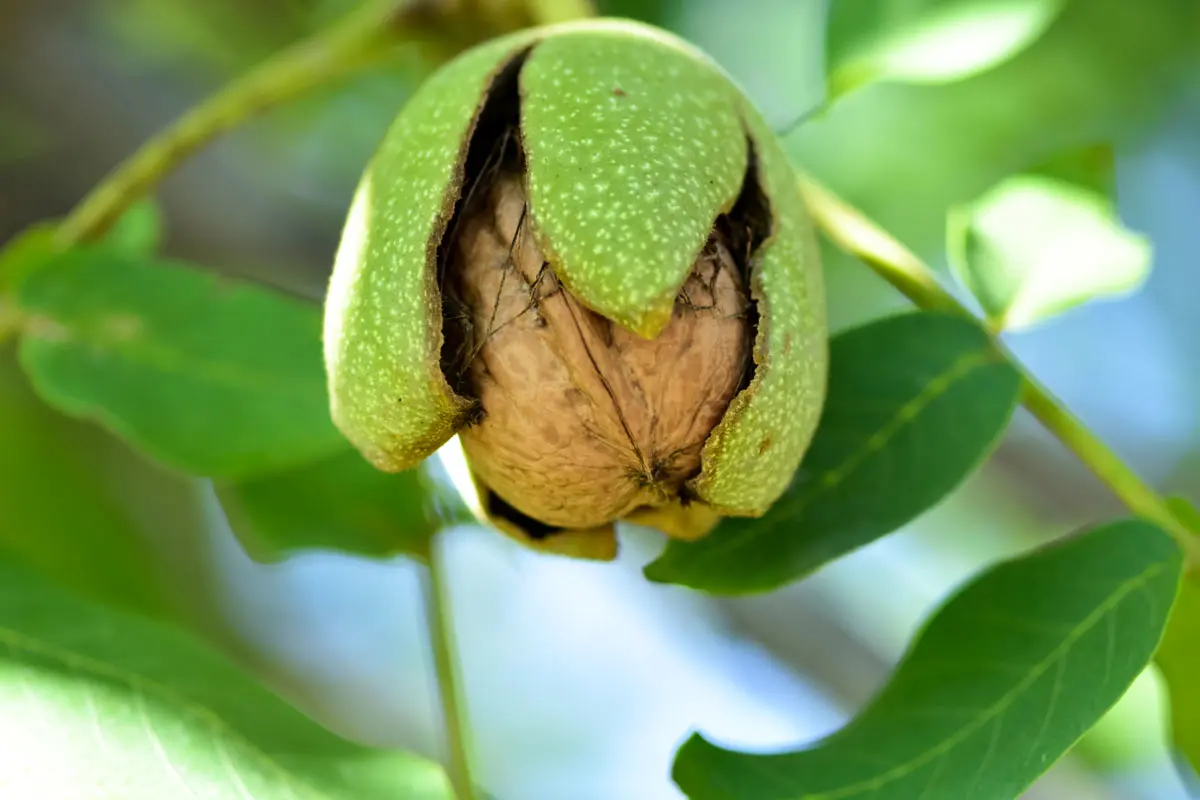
point(439, 619)
point(855, 233)
point(361, 37)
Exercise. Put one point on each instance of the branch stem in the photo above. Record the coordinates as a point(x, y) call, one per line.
point(360, 38)
point(1137, 496)
point(855, 233)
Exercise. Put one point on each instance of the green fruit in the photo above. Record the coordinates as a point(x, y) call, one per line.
point(632, 176)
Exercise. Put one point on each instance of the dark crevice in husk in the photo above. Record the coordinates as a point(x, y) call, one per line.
point(495, 146)
point(745, 228)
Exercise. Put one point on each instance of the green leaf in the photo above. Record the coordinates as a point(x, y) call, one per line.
point(1178, 660)
point(95, 703)
point(139, 230)
point(915, 402)
point(1178, 657)
point(58, 515)
point(1003, 680)
point(339, 503)
point(928, 41)
point(1034, 247)
point(1093, 167)
point(209, 376)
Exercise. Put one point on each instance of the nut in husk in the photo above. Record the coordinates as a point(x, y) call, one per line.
point(582, 250)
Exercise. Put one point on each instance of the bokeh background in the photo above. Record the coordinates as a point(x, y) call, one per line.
point(583, 678)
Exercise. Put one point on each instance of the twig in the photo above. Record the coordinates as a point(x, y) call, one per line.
point(361, 38)
point(439, 619)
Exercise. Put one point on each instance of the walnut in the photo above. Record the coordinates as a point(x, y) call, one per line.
point(582, 422)
point(582, 249)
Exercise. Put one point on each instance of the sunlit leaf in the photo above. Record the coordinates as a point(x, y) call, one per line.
point(927, 41)
point(96, 703)
point(209, 376)
point(1034, 247)
point(1179, 655)
point(1002, 681)
point(338, 503)
point(915, 403)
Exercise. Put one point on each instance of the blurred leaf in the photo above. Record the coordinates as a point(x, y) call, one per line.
point(915, 402)
point(651, 11)
point(339, 503)
point(139, 230)
point(1179, 655)
point(26, 252)
point(1003, 680)
point(57, 515)
point(97, 703)
point(927, 41)
point(1179, 661)
point(209, 376)
point(1093, 167)
point(1034, 247)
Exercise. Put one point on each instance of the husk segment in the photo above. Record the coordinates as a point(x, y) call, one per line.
point(751, 456)
point(634, 146)
point(383, 314)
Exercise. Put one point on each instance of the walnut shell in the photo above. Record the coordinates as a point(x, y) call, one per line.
point(584, 422)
